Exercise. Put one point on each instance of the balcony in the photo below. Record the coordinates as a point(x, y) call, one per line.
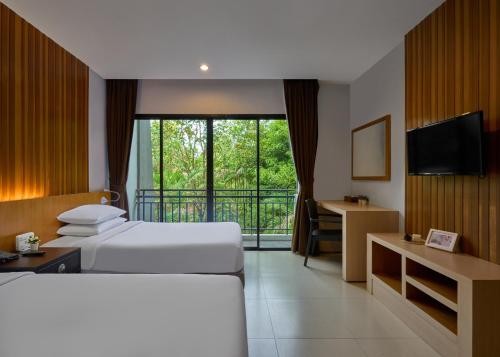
point(270, 209)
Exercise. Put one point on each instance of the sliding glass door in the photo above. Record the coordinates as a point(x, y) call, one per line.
point(216, 169)
point(235, 175)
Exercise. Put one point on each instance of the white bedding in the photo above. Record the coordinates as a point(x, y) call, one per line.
point(169, 248)
point(122, 315)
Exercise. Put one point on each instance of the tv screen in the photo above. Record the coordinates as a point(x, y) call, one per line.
point(450, 147)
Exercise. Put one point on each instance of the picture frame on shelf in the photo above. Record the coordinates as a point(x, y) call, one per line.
point(443, 240)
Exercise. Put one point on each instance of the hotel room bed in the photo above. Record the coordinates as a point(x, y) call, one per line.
point(121, 315)
point(168, 248)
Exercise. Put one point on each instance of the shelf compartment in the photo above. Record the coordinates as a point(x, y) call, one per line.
point(432, 293)
point(433, 308)
point(386, 266)
point(431, 279)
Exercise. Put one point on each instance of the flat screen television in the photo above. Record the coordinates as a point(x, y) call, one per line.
point(451, 147)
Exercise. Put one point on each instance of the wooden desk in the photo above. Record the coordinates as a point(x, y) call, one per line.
point(357, 221)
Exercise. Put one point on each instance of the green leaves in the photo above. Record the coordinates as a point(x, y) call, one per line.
point(235, 148)
point(235, 154)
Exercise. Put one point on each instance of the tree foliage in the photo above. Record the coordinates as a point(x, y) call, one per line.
point(235, 167)
point(235, 154)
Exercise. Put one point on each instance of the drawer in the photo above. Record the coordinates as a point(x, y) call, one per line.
point(69, 264)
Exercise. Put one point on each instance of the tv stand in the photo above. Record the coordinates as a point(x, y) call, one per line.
point(450, 300)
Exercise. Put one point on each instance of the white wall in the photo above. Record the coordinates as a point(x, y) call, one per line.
point(332, 178)
point(381, 91)
point(98, 160)
point(210, 97)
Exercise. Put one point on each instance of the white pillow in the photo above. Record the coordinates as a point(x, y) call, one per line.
point(87, 230)
point(90, 214)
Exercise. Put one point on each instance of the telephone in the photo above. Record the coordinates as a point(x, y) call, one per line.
point(7, 257)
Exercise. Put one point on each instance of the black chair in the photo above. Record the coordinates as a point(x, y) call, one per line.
point(315, 233)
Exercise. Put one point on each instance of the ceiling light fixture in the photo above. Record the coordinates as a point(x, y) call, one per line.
point(204, 67)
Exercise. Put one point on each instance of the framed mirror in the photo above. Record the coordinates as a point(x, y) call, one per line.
point(371, 150)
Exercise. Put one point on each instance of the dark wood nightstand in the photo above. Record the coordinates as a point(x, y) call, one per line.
point(55, 260)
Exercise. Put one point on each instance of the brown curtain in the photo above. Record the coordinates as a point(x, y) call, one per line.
point(301, 98)
point(121, 96)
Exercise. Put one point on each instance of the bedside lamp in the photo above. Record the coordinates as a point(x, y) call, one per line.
point(104, 200)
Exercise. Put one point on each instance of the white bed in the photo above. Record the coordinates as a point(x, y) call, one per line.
point(121, 315)
point(168, 248)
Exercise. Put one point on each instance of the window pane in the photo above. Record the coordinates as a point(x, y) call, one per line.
point(185, 170)
point(277, 185)
point(235, 175)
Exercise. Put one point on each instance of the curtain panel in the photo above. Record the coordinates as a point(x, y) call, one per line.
point(121, 97)
point(301, 99)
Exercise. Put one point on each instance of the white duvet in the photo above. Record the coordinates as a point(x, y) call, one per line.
point(140, 247)
point(114, 315)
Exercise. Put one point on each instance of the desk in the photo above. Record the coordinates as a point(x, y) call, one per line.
point(357, 221)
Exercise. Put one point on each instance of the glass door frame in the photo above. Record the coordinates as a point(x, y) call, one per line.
point(209, 119)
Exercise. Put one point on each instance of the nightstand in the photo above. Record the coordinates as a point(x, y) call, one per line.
point(55, 260)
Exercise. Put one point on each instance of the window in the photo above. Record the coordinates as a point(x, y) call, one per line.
point(216, 169)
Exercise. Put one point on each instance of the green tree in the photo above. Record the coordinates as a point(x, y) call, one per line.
point(235, 166)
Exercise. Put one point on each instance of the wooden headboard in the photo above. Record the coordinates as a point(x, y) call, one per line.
point(39, 215)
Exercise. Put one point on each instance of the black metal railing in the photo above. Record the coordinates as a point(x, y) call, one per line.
point(276, 207)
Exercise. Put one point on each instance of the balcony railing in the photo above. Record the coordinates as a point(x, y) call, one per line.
point(275, 208)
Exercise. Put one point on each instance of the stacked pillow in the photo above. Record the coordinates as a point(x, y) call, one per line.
point(89, 220)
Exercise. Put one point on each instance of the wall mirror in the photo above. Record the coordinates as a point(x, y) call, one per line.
point(371, 150)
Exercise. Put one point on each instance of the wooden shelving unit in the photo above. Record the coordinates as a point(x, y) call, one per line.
point(393, 281)
point(386, 266)
point(432, 283)
point(450, 300)
point(432, 307)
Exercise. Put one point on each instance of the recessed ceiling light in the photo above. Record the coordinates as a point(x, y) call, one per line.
point(204, 67)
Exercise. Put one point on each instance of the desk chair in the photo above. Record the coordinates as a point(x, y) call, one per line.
point(315, 233)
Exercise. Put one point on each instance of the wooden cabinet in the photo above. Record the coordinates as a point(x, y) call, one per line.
point(450, 300)
point(55, 260)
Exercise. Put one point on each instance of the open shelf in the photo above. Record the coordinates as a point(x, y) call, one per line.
point(440, 284)
point(446, 298)
point(386, 266)
point(393, 281)
point(436, 310)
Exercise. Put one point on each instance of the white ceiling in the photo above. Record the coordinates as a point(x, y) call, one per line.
point(334, 40)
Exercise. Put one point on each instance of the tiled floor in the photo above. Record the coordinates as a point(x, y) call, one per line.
point(294, 311)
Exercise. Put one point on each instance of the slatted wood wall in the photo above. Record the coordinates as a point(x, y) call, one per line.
point(452, 67)
point(43, 114)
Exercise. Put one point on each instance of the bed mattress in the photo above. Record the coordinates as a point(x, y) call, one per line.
point(169, 248)
point(121, 315)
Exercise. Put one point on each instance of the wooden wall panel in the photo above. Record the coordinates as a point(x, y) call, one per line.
point(452, 67)
point(43, 114)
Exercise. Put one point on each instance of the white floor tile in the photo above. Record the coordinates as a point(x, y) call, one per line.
point(369, 318)
point(312, 286)
point(319, 348)
point(254, 288)
point(313, 312)
point(258, 319)
point(311, 318)
point(262, 348)
point(397, 348)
